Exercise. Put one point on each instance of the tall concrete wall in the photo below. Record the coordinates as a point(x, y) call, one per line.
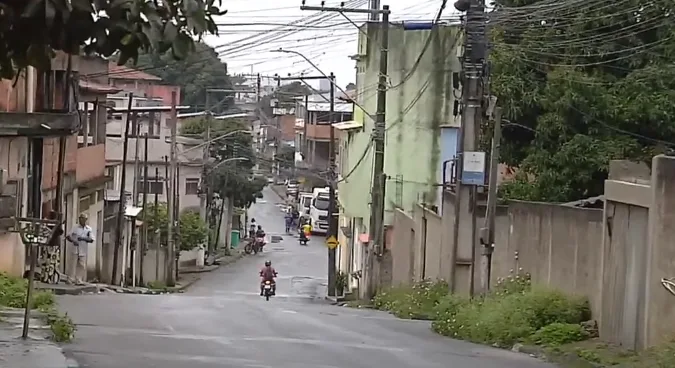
point(619, 256)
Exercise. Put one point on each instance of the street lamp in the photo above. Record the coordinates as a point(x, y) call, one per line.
point(227, 160)
point(215, 139)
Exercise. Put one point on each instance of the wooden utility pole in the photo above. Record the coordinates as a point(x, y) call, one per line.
point(171, 251)
point(120, 210)
point(488, 232)
point(144, 246)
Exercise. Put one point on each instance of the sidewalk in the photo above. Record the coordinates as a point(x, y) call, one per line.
point(35, 352)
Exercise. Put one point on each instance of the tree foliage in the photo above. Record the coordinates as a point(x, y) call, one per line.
point(191, 227)
point(581, 84)
point(196, 73)
point(191, 230)
point(31, 30)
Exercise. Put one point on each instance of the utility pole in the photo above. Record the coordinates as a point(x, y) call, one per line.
point(158, 232)
point(134, 235)
point(176, 216)
point(120, 210)
point(258, 83)
point(376, 228)
point(304, 128)
point(144, 246)
point(488, 232)
point(332, 205)
point(475, 55)
point(171, 276)
point(332, 177)
point(276, 135)
point(204, 205)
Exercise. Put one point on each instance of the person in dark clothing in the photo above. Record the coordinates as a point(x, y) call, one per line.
point(268, 273)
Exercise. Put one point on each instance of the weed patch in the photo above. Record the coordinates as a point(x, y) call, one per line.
point(418, 301)
point(13, 294)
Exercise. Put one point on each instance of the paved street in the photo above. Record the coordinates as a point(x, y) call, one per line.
point(222, 322)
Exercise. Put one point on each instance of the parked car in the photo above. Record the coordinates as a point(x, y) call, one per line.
point(292, 188)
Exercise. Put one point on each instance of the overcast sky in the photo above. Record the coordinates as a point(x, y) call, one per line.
point(325, 38)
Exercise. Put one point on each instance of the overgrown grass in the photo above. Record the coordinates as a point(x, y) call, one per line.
point(13, 294)
point(514, 312)
point(418, 301)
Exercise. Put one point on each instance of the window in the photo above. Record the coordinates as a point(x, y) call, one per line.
point(321, 203)
point(155, 186)
point(110, 172)
point(191, 186)
point(85, 202)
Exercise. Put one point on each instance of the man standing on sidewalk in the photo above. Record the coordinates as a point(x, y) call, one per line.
point(80, 236)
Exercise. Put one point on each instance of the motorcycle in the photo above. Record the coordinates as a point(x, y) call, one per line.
point(268, 290)
point(303, 238)
point(255, 246)
point(259, 244)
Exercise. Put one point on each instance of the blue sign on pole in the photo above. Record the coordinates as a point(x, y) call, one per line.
point(473, 168)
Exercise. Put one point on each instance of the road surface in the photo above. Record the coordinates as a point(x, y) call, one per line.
point(221, 321)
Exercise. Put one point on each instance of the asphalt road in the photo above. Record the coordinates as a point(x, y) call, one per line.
point(222, 322)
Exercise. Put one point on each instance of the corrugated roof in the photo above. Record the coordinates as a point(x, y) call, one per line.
point(123, 72)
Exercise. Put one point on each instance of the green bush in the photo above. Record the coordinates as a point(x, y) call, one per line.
point(13, 294)
point(418, 301)
point(557, 334)
point(508, 318)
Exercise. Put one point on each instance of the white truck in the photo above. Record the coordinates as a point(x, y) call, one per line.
point(318, 210)
point(304, 203)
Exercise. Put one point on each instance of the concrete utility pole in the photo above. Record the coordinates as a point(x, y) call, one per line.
point(332, 203)
point(488, 232)
point(258, 83)
point(144, 246)
point(171, 251)
point(304, 128)
point(134, 235)
point(376, 229)
point(332, 177)
point(276, 135)
point(204, 206)
point(120, 210)
point(475, 55)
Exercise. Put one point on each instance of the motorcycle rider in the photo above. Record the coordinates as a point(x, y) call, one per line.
point(268, 273)
point(306, 230)
point(260, 233)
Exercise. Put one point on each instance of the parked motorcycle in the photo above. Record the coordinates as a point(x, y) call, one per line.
point(268, 290)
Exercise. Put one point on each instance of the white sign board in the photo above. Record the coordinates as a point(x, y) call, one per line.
point(473, 168)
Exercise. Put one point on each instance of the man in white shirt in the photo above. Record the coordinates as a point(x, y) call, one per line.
point(80, 236)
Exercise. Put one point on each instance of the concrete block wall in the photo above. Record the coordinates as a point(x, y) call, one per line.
point(618, 257)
